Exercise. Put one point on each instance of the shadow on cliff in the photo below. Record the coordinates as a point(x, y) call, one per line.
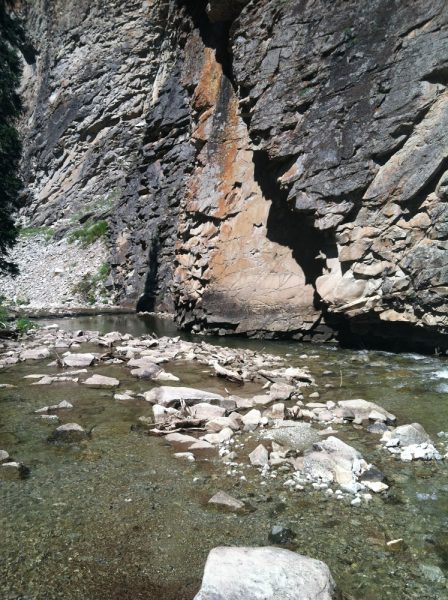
point(286, 227)
point(147, 300)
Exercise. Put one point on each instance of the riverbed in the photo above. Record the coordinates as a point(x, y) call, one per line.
point(120, 517)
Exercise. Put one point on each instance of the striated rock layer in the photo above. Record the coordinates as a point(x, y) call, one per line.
point(269, 168)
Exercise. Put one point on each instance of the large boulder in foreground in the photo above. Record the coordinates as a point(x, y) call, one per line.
point(266, 573)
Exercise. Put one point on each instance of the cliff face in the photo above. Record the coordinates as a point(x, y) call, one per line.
point(266, 167)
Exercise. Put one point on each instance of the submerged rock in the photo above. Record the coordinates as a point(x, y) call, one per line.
point(265, 573)
point(363, 410)
point(70, 432)
point(281, 535)
point(101, 381)
point(13, 470)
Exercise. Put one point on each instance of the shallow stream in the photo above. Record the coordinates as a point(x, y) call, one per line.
point(119, 517)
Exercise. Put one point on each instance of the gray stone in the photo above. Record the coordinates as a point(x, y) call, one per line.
point(78, 360)
point(224, 500)
point(280, 534)
point(101, 382)
point(259, 457)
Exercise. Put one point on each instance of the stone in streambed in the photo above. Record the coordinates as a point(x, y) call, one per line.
point(265, 573)
point(203, 410)
point(224, 500)
point(64, 404)
point(101, 382)
point(259, 457)
point(13, 470)
point(78, 360)
point(70, 432)
point(281, 535)
point(35, 353)
point(3, 456)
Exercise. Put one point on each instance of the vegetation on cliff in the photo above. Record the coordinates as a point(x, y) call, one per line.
point(11, 37)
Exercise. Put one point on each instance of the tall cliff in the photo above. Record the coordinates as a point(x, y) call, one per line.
point(266, 167)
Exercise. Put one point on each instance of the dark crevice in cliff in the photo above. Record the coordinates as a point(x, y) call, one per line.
point(147, 300)
point(286, 227)
point(213, 35)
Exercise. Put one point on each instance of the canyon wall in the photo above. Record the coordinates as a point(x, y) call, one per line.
point(274, 168)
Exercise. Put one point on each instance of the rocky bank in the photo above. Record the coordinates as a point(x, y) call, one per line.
point(267, 168)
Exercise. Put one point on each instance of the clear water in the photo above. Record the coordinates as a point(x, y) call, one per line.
point(118, 517)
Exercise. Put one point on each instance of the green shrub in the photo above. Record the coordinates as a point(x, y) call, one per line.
point(23, 325)
point(27, 232)
point(90, 287)
point(90, 233)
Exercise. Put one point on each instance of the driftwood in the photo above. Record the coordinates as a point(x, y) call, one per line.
point(178, 425)
point(232, 376)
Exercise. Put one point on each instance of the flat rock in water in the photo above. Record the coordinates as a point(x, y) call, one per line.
point(101, 381)
point(70, 432)
point(226, 501)
point(35, 353)
point(78, 360)
point(265, 573)
point(171, 396)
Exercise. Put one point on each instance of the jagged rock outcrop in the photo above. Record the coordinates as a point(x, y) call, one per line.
point(271, 168)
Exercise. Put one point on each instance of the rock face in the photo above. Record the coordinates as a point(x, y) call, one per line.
point(277, 168)
point(264, 574)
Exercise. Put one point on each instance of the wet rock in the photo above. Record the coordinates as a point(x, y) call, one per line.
point(70, 432)
point(362, 409)
point(13, 470)
point(259, 457)
point(334, 460)
point(281, 535)
point(78, 360)
point(207, 411)
point(3, 456)
point(265, 573)
point(63, 405)
point(405, 435)
point(149, 371)
point(172, 396)
point(376, 486)
point(101, 382)
point(232, 376)
point(224, 500)
point(377, 428)
point(50, 418)
point(35, 353)
point(180, 440)
point(296, 435)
